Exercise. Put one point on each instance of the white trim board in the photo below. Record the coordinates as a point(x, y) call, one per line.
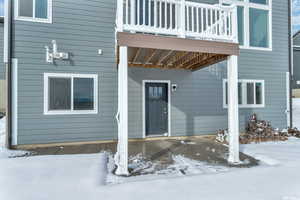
point(14, 101)
point(169, 104)
point(71, 76)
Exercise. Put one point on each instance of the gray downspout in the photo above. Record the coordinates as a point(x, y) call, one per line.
point(290, 59)
point(7, 63)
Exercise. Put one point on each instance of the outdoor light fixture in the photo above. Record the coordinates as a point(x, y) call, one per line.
point(50, 57)
point(174, 87)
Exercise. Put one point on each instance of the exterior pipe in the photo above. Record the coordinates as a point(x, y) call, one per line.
point(290, 58)
point(7, 63)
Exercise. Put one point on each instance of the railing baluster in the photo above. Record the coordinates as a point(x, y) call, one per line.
point(197, 19)
point(138, 12)
point(160, 13)
point(202, 20)
point(155, 13)
point(206, 19)
point(211, 21)
point(149, 13)
point(188, 18)
point(171, 15)
point(166, 15)
point(126, 12)
point(192, 13)
point(144, 11)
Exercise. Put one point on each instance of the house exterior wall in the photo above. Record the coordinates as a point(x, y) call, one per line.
point(82, 27)
point(296, 62)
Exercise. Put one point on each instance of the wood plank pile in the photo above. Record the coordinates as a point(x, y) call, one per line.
point(258, 131)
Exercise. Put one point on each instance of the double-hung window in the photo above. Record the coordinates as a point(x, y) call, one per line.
point(70, 93)
point(251, 93)
point(254, 23)
point(34, 10)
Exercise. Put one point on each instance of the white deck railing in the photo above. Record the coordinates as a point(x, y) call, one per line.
point(178, 18)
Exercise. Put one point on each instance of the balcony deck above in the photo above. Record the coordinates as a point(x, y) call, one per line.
point(176, 33)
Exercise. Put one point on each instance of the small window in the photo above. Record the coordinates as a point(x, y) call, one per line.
point(34, 10)
point(250, 93)
point(70, 94)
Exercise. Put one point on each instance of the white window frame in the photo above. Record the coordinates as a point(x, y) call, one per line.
point(247, 5)
point(71, 76)
point(33, 18)
point(244, 93)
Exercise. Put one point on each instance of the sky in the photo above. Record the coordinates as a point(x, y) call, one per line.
point(296, 15)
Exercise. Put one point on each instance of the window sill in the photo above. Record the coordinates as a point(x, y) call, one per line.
point(80, 112)
point(29, 19)
point(247, 106)
point(256, 48)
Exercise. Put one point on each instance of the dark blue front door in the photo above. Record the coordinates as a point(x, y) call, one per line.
point(156, 108)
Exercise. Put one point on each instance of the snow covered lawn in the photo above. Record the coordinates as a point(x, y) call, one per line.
point(83, 176)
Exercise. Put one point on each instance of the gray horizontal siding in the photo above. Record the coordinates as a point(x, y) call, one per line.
point(81, 28)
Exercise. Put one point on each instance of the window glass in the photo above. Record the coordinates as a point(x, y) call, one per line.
point(240, 93)
point(26, 8)
point(240, 11)
point(59, 93)
point(1, 8)
point(259, 29)
point(83, 92)
point(250, 93)
point(258, 93)
point(41, 9)
point(265, 2)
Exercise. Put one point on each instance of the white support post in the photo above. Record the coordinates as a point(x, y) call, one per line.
point(120, 15)
point(233, 110)
point(182, 18)
point(121, 157)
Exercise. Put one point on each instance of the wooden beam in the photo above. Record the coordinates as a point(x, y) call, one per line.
point(150, 56)
point(149, 66)
point(213, 60)
point(176, 44)
point(194, 57)
point(178, 57)
point(137, 53)
point(196, 60)
point(163, 58)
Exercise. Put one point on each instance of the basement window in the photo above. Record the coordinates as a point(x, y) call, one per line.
point(34, 10)
point(251, 93)
point(70, 94)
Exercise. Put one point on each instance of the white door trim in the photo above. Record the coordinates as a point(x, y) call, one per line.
point(169, 104)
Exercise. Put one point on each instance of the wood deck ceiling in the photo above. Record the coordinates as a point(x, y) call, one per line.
point(169, 59)
point(149, 51)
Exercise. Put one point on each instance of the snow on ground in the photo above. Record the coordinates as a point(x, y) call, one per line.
point(296, 112)
point(2, 132)
point(83, 177)
point(5, 153)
